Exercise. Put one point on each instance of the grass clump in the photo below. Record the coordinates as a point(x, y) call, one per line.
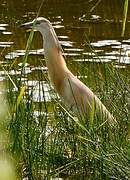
point(48, 141)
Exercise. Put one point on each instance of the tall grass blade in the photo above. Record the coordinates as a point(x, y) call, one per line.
point(29, 42)
point(21, 94)
point(92, 113)
point(124, 17)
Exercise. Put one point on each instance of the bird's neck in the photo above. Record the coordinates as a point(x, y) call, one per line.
point(54, 59)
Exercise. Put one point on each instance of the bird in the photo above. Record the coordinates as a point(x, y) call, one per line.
point(75, 94)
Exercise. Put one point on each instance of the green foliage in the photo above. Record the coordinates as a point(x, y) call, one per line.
point(56, 144)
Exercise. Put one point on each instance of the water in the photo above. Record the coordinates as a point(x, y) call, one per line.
point(88, 32)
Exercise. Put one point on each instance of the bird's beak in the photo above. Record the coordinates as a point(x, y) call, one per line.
point(27, 25)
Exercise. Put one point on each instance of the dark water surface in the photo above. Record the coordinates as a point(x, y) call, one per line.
point(88, 31)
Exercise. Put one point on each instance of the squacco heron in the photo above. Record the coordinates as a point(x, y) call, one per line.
point(76, 95)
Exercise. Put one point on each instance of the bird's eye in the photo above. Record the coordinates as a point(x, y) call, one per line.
point(38, 22)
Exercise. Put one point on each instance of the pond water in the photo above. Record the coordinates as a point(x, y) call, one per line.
point(89, 32)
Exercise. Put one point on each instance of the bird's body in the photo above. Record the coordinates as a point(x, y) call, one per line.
point(76, 95)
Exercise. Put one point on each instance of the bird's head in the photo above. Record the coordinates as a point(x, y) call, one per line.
point(38, 24)
point(45, 28)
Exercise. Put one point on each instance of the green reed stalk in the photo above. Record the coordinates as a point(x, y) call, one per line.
point(124, 17)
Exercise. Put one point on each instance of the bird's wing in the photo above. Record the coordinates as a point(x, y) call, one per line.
point(76, 94)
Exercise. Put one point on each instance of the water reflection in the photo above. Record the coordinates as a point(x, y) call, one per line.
point(6, 44)
point(105, 43)
point(18, 53)
point(40, 91)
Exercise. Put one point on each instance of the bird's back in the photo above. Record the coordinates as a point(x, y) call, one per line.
point(80, 98)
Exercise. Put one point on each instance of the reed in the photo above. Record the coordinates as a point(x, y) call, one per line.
point(124, 17)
